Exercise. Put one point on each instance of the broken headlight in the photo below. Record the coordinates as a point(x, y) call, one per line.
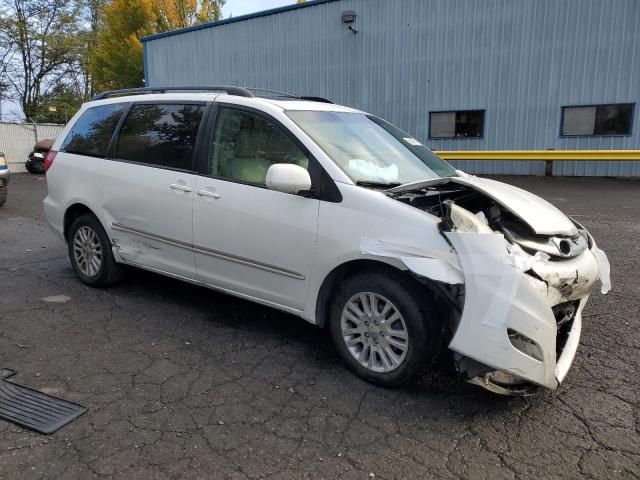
point(563, 247)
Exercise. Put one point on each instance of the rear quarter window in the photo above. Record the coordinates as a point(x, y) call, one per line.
point(92, 132)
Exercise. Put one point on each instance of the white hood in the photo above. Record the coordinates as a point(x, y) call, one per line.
point(540, 215)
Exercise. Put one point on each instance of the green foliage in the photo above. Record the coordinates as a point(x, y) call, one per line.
point(175, 14)
point(57, 106)
point(63, 51)
point(116, 62)
point(38, 47)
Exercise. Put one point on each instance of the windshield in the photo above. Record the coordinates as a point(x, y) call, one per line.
point(370, 150)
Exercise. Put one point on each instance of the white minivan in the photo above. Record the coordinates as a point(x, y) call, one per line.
point(333, 215)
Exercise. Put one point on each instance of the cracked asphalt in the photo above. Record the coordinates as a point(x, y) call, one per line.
point(183, 382)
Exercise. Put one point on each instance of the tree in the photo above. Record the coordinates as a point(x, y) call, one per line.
point(53, 49)
point(92, 11)
point(185, 13)
point(116, 61)
point(58, 105)
point(38, 46)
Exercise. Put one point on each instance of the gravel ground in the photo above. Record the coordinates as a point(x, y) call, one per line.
point(183, 382)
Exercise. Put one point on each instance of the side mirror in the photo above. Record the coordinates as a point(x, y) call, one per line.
point(288, 178)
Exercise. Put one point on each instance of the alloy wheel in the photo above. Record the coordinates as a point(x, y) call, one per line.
point(374, 332)
point(87, 251)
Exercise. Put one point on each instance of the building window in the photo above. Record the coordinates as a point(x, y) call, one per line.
point(597, 120)
point(461, 123)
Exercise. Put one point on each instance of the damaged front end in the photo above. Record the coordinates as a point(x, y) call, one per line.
point(526, 281)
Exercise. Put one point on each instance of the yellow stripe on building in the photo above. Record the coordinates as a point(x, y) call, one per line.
point(539, 154)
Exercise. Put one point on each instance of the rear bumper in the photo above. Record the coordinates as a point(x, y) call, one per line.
point(54, 214)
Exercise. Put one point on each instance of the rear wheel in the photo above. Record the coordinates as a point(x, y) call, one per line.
point(90, 253)
point(381, 330)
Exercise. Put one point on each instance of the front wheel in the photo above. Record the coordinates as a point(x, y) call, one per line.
point(90, 253)
point(3, 194)
point(381, 330)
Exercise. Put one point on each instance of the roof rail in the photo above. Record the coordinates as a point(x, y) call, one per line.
point(275, 94)
point(230, 90)
point(317, 99)
point(269, 93)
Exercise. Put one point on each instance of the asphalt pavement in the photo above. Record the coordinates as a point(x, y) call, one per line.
point(184, 382)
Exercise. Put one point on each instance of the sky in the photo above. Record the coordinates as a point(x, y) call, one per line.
point(242, 7)
point(233, 8)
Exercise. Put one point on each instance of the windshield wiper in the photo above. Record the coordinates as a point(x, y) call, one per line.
point(364, 183)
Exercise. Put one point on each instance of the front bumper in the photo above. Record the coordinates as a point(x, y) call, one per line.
point(498, 381)
point(503, 303)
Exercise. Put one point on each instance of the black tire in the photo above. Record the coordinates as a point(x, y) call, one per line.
point(35, 166)
point(424, 337)
point(3, 194)
point(109, 272)
point(38, 167)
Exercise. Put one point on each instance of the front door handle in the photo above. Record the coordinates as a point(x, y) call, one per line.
point(207, 193)
point(179, 186)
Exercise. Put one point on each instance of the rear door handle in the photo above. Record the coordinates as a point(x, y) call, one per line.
point(207, 193)
point(179, 186)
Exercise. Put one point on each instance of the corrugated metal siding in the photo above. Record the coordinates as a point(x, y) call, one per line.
point(17, 140)
point(520, 61)
point(597, 168)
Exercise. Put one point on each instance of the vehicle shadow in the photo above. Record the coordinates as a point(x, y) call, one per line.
point(314, 353)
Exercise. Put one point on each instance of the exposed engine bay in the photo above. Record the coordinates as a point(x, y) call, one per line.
point(437, 200)
point(528, 272)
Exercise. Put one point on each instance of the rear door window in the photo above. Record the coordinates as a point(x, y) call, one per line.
point(163, 135)
point(92, 132)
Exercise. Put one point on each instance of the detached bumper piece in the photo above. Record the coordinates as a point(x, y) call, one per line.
point(506, 384)
point(35, 410)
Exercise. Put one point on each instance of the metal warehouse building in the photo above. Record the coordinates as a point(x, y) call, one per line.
point(497, 86)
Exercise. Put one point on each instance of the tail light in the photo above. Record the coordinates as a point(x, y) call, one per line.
point(48, 160)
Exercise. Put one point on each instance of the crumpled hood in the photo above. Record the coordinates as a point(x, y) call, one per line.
point(540, 215)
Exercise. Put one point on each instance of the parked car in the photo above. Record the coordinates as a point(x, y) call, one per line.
point(4, 178)
point(333, 215)
point(35, 163)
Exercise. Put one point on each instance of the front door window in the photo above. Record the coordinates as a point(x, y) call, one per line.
point(245, 145)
